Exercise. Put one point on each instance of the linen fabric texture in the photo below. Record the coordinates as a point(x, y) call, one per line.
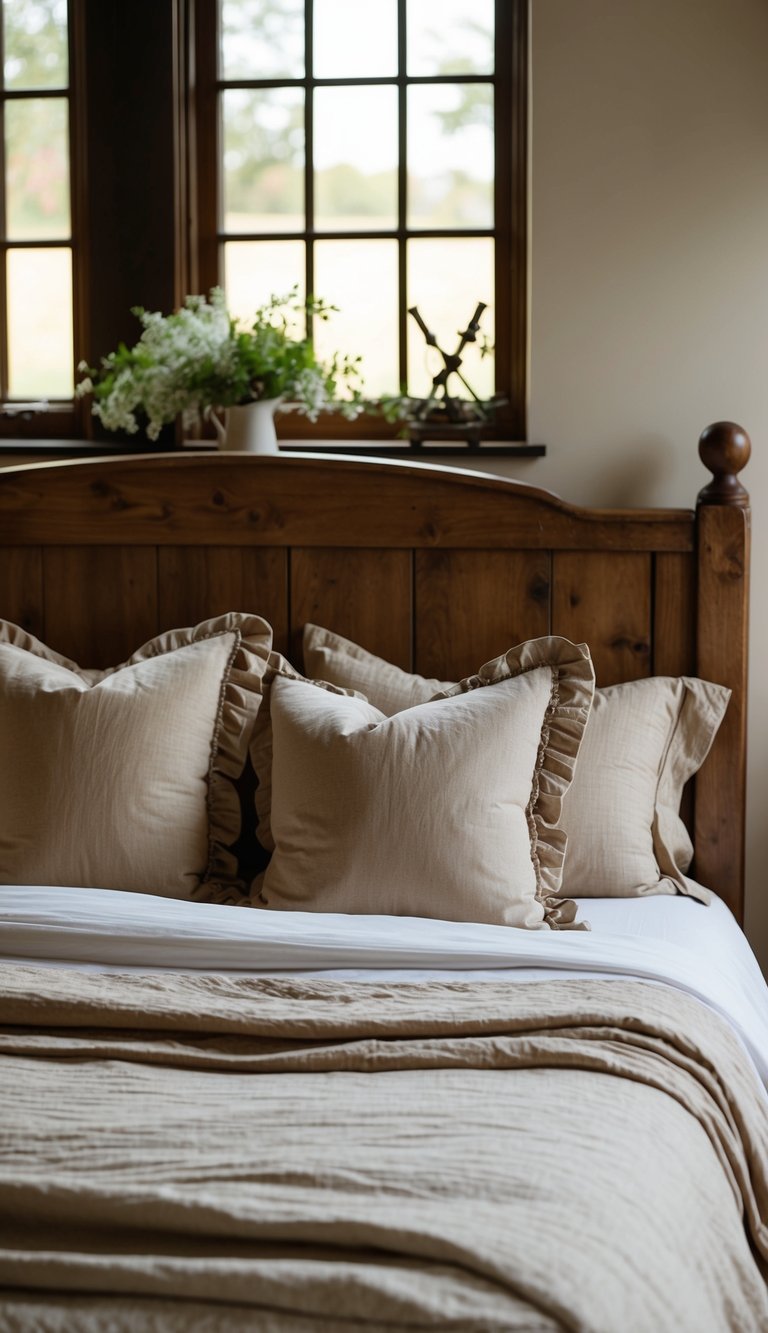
point(127, 778)
point(621, 813)
point(408, 1151)
point(328, 656)
point(447, 809)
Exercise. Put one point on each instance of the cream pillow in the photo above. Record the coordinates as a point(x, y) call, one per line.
point(644, 740)
point(126, 778)
point(447, 809)
point(327, 656)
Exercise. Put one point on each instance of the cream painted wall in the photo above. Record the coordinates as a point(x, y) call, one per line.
point(649, 291)
point(649, 276)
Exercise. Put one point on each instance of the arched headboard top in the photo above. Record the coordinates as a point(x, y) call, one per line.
point(158, 498)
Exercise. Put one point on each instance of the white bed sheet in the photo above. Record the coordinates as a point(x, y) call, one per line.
point(667, 940)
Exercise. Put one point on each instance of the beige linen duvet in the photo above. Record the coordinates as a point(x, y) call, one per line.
point(212, 1153)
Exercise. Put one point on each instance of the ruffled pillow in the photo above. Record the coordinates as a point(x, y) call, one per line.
point(645, 740)
point(128, 778)
point(447, 809)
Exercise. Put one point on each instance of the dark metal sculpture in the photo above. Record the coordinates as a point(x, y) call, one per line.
point(442, 416)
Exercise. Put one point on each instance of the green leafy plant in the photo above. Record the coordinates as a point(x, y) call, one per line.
point(199, 358)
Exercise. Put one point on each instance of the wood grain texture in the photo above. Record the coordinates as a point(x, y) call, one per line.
point(472, 606)
point(21, 587)
point(604, 600)
point(100, 605)
point(229, 500)
point(674, 615)
point(721, 648)
point(724, 448)
point(197, 582)
point(364, 595)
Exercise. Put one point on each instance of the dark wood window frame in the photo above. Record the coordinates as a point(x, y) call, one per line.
point(144, 210)
point(132, 225)
point(60, 417)
point(510, 208)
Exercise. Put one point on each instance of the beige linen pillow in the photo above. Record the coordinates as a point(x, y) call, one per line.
point(447, 809)
point(644, 740)
point(126, 778)
point(327, 656)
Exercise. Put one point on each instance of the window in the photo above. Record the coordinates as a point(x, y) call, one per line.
point(375, 156)
point(378, 172)
point(36, 274)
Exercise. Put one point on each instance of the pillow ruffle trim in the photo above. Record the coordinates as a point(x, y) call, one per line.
point(239, 702)
point(566, 717)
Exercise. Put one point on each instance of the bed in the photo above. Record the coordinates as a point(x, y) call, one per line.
point(386, 1107)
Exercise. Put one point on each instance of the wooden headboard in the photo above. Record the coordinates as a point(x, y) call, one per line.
point(436, 569)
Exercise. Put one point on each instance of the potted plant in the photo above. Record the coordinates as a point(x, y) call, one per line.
point(199, 361)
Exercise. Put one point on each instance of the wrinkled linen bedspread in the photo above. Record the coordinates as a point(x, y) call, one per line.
point(212, 1153)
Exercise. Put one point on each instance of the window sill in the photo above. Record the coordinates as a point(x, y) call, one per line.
point(76, 448)
point(423, 451)
point(373, 449)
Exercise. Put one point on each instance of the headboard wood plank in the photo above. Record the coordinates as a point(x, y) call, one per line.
point(21, 587)
point(198, 582)
point(674, 615)
point(605, 600)
point(100, 604)
point(306, 501)
point(366, 595)
point(473, 605)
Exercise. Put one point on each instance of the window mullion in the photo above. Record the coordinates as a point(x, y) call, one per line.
point(309, 153)
point(78, 202)
point(402, 192)
point(3, 235)
point(60, 414)
point(511, 210)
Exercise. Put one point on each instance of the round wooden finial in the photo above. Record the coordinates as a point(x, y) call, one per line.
point(724, 448)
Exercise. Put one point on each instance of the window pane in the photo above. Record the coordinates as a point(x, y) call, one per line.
point(256, 270)
point(37, 169)
point(446, 279)
point(360, 277)
point(356, 158)
point(263, 176)
point(354, 41)
point(262, 39)
point(450, 36)
point(450, 155)
point(35, 43)
point(40, 358)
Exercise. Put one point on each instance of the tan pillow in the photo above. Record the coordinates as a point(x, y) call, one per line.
point(443, 810)
point(126, 778)
point(644, 740)
point(327, 656)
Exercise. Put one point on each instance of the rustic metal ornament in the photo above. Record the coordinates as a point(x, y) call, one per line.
point(442, 415)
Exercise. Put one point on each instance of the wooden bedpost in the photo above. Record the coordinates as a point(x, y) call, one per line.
point(723, 538)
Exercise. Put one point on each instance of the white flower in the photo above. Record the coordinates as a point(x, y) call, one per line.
point(198, 358)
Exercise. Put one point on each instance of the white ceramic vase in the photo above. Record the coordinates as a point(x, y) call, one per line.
point(249, 428)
